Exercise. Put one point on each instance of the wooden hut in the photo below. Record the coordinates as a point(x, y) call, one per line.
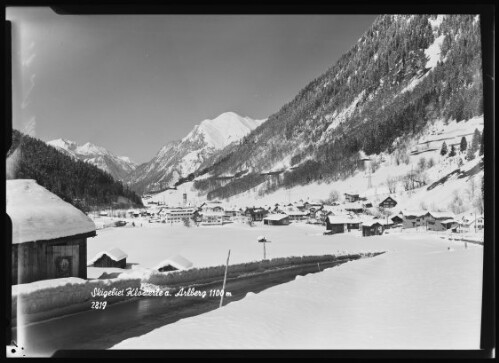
point(338, 224)
point(276, 220)
point(372, 228)
point(111, 258)
point(174, 263)
point(49, 236)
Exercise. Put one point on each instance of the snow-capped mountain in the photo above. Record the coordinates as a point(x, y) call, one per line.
point(178, 159)
point(405, 73)
point(117, 166)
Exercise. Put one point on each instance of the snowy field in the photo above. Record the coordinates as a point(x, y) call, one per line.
point(208, 245)
point(424, 293)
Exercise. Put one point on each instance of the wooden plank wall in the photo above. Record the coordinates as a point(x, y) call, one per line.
point(33, 261)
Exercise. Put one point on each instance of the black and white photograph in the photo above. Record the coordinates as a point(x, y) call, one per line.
point(191, 181)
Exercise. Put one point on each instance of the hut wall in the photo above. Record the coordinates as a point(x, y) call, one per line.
point(34, 261)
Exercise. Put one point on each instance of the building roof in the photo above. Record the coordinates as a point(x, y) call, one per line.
point(38, 214)
point(372, 223)
point(353, 205)
point(449, 220)
point(115, 254)
point(276, 217)
point(388, 198)
point(414, 213)
point(213, 214)
point(342, 219)
point(442, 215)
point(177, 261)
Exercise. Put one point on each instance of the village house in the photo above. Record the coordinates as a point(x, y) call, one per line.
point(212, 218)
point(341, 223)
point(354, 207)
point(49, 236)
point(471, 222)
point(178, 215)
point(397, 220)
point(388, 202)
point(276, 220)
point(351, 198)
point(256, 214)
point(112, 258)
point(440, 221)
point(413, 219)
point(372, 228)
point(174, 263)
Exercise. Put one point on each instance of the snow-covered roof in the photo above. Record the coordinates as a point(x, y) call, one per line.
point(450, 220)
point(414, 213)
point(213, 214)
point(372, 223)
point(440, 215)
point(297, 213)
point(276, 217)
point(115, 254)
point(342, 219)
point(177, 261)
point(38, 215)
point(353, 205)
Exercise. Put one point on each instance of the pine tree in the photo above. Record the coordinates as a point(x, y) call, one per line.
point(452, 151)
point(443, 151)
point(464, 144)
point(470, 155)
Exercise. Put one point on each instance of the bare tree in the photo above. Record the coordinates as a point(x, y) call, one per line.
point(391, 183)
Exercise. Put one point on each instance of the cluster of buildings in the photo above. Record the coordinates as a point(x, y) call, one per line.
point(49, 236)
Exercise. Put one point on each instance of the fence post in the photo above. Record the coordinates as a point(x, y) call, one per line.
point(225, 279)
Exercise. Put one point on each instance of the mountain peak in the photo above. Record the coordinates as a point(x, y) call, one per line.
point(225, 129)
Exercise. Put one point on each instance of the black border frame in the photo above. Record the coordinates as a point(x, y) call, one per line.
point(486, 9)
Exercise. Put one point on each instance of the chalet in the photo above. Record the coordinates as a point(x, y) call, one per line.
point(111, 258)
point(297, 215)
point(412, 219)
point(178, 215)
point(351, 198)
point(174, 263)
point(213, 206)
point(212, 218)
point(397, 220)
point(256, 214)
point(372, 228)
point(471, 222)
point(49, 236)
point(354, 207)
point(340, 224)
point(440, 221)
point(276, 220)
point(389, 202)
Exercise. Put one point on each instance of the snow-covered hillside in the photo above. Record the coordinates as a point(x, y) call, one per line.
point(178, 159)
point(387, 167)
point(117, 166)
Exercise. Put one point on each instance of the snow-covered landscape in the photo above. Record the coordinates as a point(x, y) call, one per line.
point(424, 293)
point(346, 214)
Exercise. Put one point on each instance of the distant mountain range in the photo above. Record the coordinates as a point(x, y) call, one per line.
point(178, 159)
point(404, 73)
point(118, 166)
